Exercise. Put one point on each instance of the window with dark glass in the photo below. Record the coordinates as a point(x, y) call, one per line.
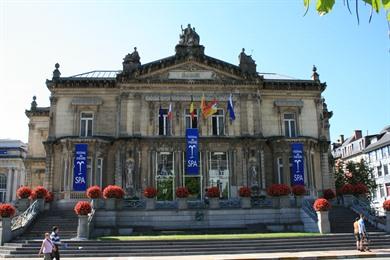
point(164, 124)
point(189, 121)
point(86, 123)
point(289, 125)
point(218, 122)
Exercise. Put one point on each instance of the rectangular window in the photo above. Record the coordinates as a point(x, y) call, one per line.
point(381, 191)
point(218, 123)
point(386, 169)
point(379, 171)
point(289, 125)
point(165, 175)
point(164, 124)
point(193, 182)
point(86, 123)
point(219, 173)
point(387, 189)
point(385, 152)
point(191, 123)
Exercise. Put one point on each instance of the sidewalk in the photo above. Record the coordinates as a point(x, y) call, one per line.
point(350, 254)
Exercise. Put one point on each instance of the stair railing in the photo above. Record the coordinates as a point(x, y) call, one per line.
point(307, 206)
point(91, 223)
point(372, 215)
point(26, 217)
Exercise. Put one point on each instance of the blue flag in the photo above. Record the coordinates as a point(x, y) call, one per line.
point(230, 108)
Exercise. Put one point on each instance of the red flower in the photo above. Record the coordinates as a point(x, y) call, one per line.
point(386, 205)
point(360, 188)
point(113, 191)
point(23, 192)
point(277, 190)
point(321, 205)
point(150, 192)
point(245, 192)
point(347, 189)
point(213, 192)
point(94, 192)
point(83, 208)
point(298, 190)
point(329, 194)
point(182, 192)
point(49, 197)
point(7, 210)
point(38, 193)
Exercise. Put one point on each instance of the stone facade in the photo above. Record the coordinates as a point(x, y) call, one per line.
point(117, 113)
point(12, 170)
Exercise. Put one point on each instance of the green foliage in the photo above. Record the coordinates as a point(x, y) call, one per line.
point(325, 6)
point(165, 189)
point(354, 173)
point(193, 186)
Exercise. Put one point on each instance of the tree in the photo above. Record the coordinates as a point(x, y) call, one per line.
point(354, 173)
point(325, 6)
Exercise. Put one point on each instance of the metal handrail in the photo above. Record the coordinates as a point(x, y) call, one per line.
point(308, 208)
point(370, 213)
point(26, 217)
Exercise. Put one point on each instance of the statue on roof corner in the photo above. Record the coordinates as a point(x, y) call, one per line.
point(188, 36)
point(131, 62)
point(247, 64)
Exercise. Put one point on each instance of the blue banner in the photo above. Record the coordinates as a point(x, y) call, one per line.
point(297, 174)
point(80, 167)
point(192, 151)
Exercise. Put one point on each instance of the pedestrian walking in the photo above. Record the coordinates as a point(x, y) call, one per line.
point(363, 234)
point(47, 248)
point(206, 198)
point(356, 233)
point(55, 238)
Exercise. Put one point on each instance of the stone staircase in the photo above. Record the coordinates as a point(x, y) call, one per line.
point(112, 248)
point(341, 220)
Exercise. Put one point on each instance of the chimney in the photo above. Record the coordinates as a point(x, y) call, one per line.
point(341, 139)
point(358, 134)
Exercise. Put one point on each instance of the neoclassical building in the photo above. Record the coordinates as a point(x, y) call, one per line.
point(132, 125)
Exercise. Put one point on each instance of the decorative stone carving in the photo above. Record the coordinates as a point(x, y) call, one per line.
point(247, 64)
point(131, 62)
point(188, 36)
point(128, 178)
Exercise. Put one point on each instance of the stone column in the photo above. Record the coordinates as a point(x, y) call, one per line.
point(118, 167)
point(137, 116)
point(244, 114)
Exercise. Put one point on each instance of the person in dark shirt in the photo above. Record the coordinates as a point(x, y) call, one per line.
point(55, 238)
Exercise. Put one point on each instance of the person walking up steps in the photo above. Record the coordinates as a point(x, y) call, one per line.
point(56, 241)
point(356, 233)
point(47, 247)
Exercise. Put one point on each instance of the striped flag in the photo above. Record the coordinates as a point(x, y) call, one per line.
point(192, 109)
point(210, 109)
point(170, 115)
point(230, 108)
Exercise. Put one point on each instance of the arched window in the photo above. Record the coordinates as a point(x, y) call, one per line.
point(3, 187)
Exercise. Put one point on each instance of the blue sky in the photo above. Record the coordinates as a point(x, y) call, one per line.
point(353, 59)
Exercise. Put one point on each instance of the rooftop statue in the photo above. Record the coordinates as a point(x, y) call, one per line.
point(247, 64)
point(132, 57)
point(188, 36)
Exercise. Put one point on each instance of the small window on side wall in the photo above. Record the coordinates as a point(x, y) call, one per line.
point(290, 125)
point(86, 124)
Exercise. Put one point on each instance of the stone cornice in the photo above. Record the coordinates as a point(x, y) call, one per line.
point(39, 111)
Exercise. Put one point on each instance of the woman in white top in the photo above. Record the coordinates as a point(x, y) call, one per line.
point(46, 248)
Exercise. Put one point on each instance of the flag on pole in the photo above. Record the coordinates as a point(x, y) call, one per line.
point(192, 109)
point(230, 108)
point(209, 109)
point(170, 115)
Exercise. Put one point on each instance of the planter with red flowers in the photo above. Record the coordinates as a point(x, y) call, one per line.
point(7, 211)
point(150, 194)
point(23, 194)
point(347, 190)
point(279, 194)
point(213, 195)
point(299, 191)
point(39, 194)
point(82, 209)
point(245, 197)
point(322, 206)
point(48, 200)
point(113, 197)
point(386, 207)
point(360, 191)
point(94, 193)
point(182, 194)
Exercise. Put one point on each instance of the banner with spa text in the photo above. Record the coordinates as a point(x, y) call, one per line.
point(80, 167)
point(297, 173)
point(192, 151)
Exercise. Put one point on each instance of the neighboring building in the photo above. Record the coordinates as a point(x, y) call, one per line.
point(12, 171)
point(134, 123)
point(377, 154)
point(350, 149)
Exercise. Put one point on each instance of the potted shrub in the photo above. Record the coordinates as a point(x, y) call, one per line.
point(95, 194)
point(279, 194)
point(23, 194)
point(182, 195)
point(113, 195)
point(213, 194)
point(322, 206)
point(48, 200)
point(360, 191)
point(39, 194)
point(386, 207)
point(82, 209)
point(245, 197)
point(299, 191)
point(150, 194)
point(347, 190)
point(7, 211)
